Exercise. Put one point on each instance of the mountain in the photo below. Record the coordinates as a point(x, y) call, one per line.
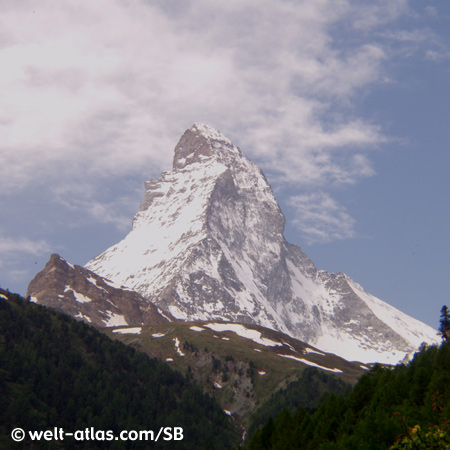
point(238, 364)
point(84, 295)
point(208, 244)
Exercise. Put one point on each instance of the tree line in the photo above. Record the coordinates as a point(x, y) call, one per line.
point(401, 407)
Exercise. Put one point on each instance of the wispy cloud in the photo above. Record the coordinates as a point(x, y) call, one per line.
point(321, 219)
point(111, 86)
point(103, 89)
point(88, 205)
point(13, 248)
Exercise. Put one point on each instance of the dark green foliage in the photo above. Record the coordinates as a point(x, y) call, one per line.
point(444, 324)
point(305, 392)
point(189, 347)
point(251, 371)
point(216, 364)
point(385, 404)
point(57, 372)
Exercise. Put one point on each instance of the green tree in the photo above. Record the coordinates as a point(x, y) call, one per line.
point(434, 437)
point(444, 327)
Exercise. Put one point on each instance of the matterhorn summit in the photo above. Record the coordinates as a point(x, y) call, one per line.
point(208, 244)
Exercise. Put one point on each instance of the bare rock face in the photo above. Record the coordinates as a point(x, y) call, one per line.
point(208, 244)
point(86, 296)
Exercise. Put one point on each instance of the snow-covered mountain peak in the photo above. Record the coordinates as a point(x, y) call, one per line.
point(201, 143)
point(208, 244)
point(210, 133)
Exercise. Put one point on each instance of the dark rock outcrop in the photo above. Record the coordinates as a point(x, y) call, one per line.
point(86, 296)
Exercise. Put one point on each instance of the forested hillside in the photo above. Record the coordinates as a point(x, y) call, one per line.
point(306, 392)
point(406, 407)
point(58, 372)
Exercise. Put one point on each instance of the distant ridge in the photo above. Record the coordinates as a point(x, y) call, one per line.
point(86, 296)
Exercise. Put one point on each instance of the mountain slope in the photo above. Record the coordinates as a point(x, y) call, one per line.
point(86, 296)
point(208, 244)
point(240, 365)
point(58, 372)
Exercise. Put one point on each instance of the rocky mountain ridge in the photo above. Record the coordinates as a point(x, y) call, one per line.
point(86, 296)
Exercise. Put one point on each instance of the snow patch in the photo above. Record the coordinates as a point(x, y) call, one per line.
point(290, 346)
point(162, 313)
point(244, 332)
point(158, 335)
point(6, 298)
point(80, 298)
point(135, 330)
point(80, 315)
point(309, 363)
point(177, 346)
point(217, 385)
point(176, 312)
point(116, 285)
point(310, 350)
point(94, 282)
point(114, 320)
point(262, 372)
point(194, 328)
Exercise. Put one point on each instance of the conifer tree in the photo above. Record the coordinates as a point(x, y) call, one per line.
point(444, 327)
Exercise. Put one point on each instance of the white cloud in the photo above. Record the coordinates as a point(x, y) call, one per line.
point(114, 84)
point(437, 56)
point(96, 90)
point(12, 248)
point(431, 11)
point(320, 218)
point(88, 205)
point(366, 16)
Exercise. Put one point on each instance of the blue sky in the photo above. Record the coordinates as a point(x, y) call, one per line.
point(344, 104)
